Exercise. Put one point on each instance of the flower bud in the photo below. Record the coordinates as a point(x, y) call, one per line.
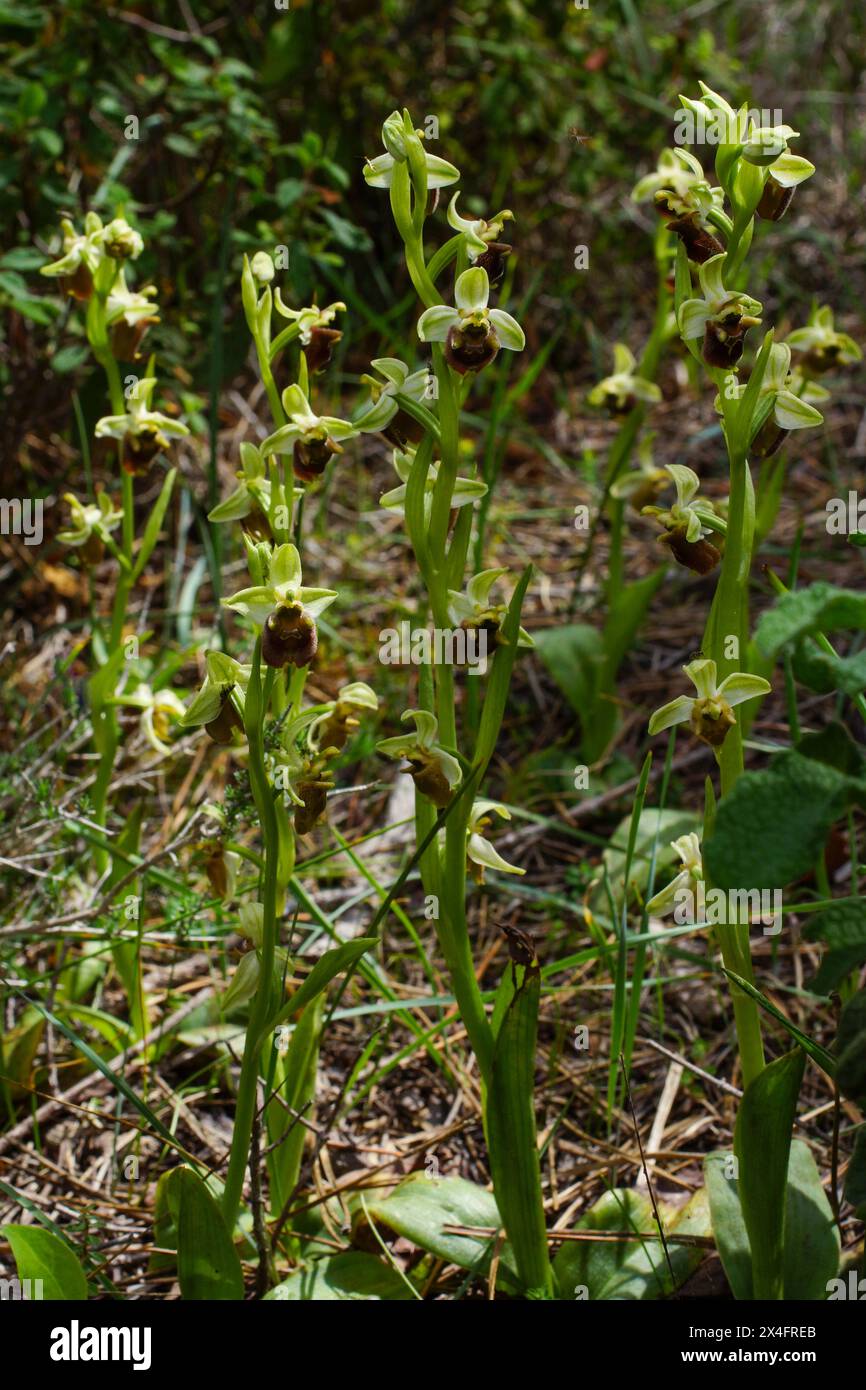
point(122, 242)
point(262, 267)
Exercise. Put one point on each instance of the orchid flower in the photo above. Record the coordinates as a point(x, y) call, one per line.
point(709, 714)
point(90, 525)
point(722, 317)
point(472, 333)
point(466, 490)
point(379, 172)
point(688, 850)
point(219, 702)
point(434, 770)
point(143, 431)
point(474, 609)
point(479, 851)
point(621, 392)
point(159, 708)
point(284, 610)
point(823, 347)
point(311, 439)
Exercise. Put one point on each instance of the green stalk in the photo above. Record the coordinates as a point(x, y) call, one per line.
point(255, 709)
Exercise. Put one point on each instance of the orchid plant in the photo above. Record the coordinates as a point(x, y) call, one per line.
point(716, 317)
point(446, 757)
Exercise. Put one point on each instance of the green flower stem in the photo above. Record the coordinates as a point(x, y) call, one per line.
point(729, 619)
point(255, 709)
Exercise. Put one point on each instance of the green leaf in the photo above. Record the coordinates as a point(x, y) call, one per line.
point(331, 963)
point(40, 1255)
point(207, 1262)
point(513, 1140)
point(350, 1275)
point(822, 1058)
point(820, 607)
point(421, 1207)
point(772, 826)
point(811, 1239)
point(629, 1269)
point(842, 928)
point(575, 657)
point(855, 1179)
point(825, 673)
point(762, 1143)
point(154, 523)
point(851, 1049)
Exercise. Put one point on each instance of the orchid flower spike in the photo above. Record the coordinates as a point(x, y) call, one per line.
point(472, 333)
point(621, 392)
point(284, 610)
point(709, 714)
point(434, 770)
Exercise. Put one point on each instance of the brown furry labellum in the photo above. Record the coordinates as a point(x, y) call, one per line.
point(493, 261)
point(318, 350)
point(701, 557)
point(221, 728)
point(256, 525)
point(126, 338)
point(699, 243)
point(723, 343)
point(217, 874)
point(310, 459)
point(403, 429)
point(79, 285)
point(315, 798)
point(430, 781)
point(711, 724)
point(819, 360)
point(289, 637)
point(470, 347)
point(768, 440)
point(92, 550)
point(139, 451)
point(775, 201)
